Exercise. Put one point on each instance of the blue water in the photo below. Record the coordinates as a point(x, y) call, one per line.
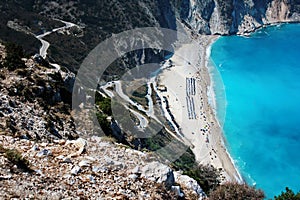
point(260, 106)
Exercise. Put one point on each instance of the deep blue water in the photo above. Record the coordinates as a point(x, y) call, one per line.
point(261, 104)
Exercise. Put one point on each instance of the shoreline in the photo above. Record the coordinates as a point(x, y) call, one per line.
point(270, 24)
point(196, 117)
point(207, 53)
point(210, 84)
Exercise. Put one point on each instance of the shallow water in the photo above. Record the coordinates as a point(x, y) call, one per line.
point(260, 107)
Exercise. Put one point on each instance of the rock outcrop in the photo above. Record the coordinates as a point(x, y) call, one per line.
point(190, 184)
point(34, 102)
point(236, 16)
point(159, 173)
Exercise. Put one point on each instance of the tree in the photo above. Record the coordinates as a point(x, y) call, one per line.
point(103, 103)
point(104, 123)
point(288, 195)
point(206, 176)
point(229, 191)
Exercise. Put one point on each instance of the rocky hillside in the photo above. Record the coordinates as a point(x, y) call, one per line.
point(42, 156)
point(35, 98)
point(98, 20)
point(93, 169)
point(41, 153)
point(22, 20)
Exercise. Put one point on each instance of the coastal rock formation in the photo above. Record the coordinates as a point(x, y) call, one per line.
point(236, 16)
point(278, 11)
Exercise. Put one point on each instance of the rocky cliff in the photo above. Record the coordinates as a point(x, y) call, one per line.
point(42, 156)
point(236, 16)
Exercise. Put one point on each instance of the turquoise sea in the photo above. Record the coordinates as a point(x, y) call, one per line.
point(257, 86)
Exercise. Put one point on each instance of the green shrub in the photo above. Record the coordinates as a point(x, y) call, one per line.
point(288, 195)
point(230, 191)
point(104, 123)
point(105, 106)
point(16, 158)
point(103, 103)
point(206, 176)
point(186, 162)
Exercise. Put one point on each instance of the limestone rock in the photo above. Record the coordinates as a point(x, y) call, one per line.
point(136, 170)
point(133, 176)
point(75, 170)
point(177, 190)
point(80, 143)
point(189, 183)
point(84, 163)
point(158, 172)
point(231, 17)
point(67, 160)
point(44, 152)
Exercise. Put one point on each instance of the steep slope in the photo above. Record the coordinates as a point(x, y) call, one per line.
point(42, 157)
point(42, 93)
point(236, 16)
point(99, 19)
point(35, 99)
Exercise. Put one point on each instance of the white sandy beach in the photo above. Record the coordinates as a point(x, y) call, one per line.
point(187, 83)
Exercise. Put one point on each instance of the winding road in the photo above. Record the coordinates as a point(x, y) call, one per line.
point(45, 44)
point(143, 120)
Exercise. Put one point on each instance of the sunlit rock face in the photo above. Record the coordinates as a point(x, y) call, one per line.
point(236, 16)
